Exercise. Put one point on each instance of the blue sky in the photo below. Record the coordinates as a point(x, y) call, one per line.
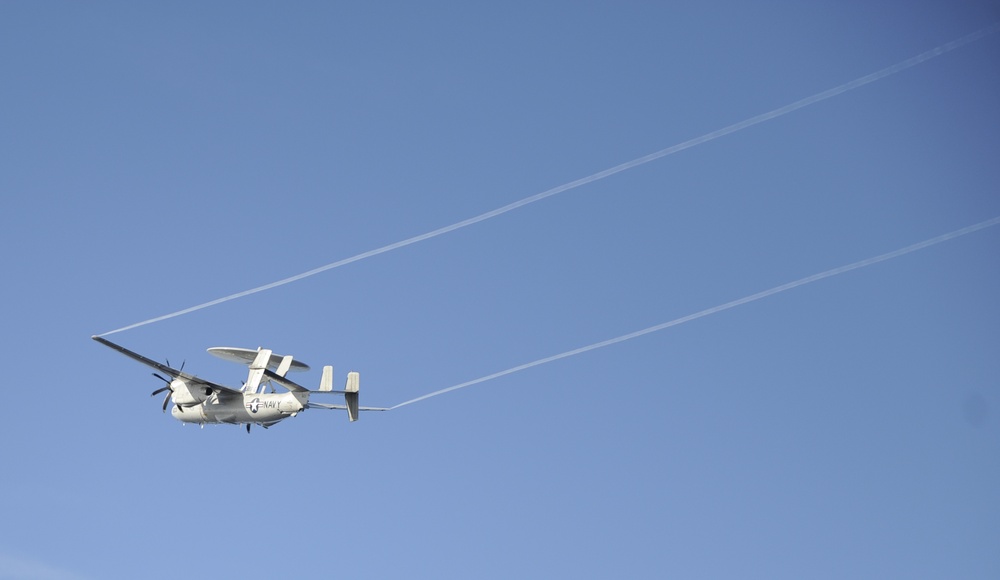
point(157, 156)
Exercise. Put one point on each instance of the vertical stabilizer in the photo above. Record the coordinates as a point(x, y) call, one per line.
point(351, 395)
point(286, 363)
point(256, 373)
point(326, 382)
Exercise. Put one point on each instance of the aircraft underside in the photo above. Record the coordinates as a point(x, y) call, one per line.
point(265, 409)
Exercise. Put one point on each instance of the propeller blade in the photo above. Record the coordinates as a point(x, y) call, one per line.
point(165, 401)
point(158, 391)
point(248, 427)
point(164, 379)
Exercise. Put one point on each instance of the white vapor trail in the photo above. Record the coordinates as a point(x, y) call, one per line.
point(716, 309)
point(822, 96)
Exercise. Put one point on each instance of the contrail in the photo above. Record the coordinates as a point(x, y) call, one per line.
point(822, 96)
point(716, 309)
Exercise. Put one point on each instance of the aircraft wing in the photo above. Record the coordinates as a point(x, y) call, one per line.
point(290, 385)
point(171, 372)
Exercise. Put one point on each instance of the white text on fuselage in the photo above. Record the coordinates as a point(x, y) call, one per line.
point(256, 404)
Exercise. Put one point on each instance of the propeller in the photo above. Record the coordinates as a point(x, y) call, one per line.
point(162, 389)
point(166, 400)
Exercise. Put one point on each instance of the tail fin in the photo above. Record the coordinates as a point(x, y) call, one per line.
point(326, 383)
point(256, 373)
point(351, 393)
point(285, 366)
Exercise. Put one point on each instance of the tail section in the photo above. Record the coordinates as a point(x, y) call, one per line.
point(351, 394)
point(326, 383)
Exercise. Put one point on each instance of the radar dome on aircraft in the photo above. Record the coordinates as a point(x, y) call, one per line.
point(246, 356)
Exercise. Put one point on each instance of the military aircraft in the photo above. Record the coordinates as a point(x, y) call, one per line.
point(199, 401)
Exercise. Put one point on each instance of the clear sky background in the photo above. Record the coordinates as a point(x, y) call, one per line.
point(160, 155)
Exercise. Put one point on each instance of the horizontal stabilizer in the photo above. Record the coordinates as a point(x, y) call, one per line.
point(350, 393)
point(344, 407)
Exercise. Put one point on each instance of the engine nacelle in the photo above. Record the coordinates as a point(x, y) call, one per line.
point(184, 394)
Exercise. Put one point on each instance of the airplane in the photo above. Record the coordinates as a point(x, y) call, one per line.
point(199, 401)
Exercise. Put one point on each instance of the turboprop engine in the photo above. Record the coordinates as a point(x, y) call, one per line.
point(183, 394)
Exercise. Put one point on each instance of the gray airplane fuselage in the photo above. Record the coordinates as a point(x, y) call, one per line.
point(265, 408)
